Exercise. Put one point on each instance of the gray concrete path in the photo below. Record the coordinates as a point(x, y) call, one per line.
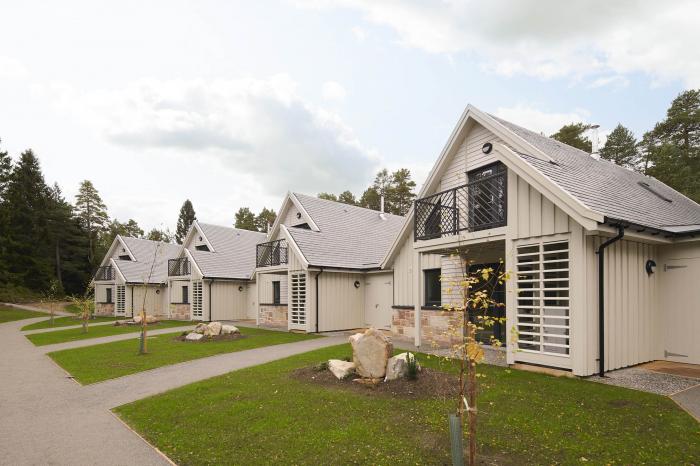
point(45, 419)
point(67, 327)
point(38, 309)
point(116, 392)
point(689, 400)
point(110, 339)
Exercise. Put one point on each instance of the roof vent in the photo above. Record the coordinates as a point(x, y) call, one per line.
point(653, 191)
point(595, 142)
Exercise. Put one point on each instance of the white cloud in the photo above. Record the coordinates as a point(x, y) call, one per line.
point(11, 68)
point(257, 129)
point(359, 33)
point(549, 38)
point(334, 91)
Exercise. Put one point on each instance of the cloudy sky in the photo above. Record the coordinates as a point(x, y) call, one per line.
point(233, 104)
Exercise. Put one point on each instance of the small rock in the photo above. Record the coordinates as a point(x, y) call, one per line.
point(213, 329)
point(397, 366)
point(227, 329)
point(368, 381)
point(151, 319)
point(200, 328)
point(194, 336)
point(137, 319)
point(341, 369)
point(370, 352)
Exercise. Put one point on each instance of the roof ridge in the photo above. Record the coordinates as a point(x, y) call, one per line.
point(348, 205)
point(231, 228)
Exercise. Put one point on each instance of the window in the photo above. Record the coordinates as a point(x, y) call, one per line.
point(543, 298)
point(108, 297)
point(305, 226)
point(202, 247)
point(487, 196)
point(433, 290)
point(125, 257)
point(185, 295)
point(276, 295)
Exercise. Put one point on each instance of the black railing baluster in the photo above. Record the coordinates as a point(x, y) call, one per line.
point(179, 267)
point(271, 253)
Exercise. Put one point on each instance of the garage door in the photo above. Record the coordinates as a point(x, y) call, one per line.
point(681, 304)
point(378, 300)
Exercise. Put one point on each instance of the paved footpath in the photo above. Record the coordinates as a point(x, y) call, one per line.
point(47, 418)
point(110, 339)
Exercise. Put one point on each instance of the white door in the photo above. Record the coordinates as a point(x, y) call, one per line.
point(379, 289)
point(680, 305)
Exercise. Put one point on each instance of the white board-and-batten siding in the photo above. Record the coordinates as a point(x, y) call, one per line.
point(228, 301)
point(468, 156)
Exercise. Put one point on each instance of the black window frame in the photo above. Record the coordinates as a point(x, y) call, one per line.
point(276, 292)
point(202, 247)
point(481, 203)
point(185, 294)
point(429, 277)
point(108, 296)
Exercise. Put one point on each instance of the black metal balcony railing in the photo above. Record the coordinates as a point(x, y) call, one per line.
point(271, 253)
point(179, 267)
point(478, 205)
point(104, 273)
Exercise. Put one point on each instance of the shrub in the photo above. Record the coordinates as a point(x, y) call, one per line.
point(321, 366)
point(412, 367)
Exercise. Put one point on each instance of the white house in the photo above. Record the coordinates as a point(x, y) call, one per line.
point(211, 276)
point(320, 268)
point(133, 276)
point(552, 213)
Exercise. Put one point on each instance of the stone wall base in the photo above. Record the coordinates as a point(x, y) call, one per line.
point(439, 329)
point(180, 311)
point(273, 316)
point(104, 309)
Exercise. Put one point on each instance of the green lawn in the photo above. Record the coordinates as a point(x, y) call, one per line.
point(8, 314)
point(65, 322)
point(73, 334)
point(262, 415)
point(110, 360)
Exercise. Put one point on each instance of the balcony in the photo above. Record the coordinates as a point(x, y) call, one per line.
point(271, 253)
point(104, 273)
point(480, 204)
point(179, 267)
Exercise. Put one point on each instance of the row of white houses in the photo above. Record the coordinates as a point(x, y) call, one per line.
point(603, 261)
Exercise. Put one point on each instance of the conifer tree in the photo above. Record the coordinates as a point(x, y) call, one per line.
point(621, 148)
point(245, 219)
point(92, 213)
point(574, 135)
point(184, 221)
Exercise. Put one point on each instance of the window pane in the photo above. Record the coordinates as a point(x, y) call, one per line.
point(432, 287)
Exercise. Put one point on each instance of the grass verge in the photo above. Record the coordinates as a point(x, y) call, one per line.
point(8, 314)
point(263, 415)
point(110, 360)
point(65, 322)
point(74, 334)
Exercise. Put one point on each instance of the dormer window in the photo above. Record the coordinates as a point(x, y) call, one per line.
point(305, 226)
point(202, 247)
point(124, 257)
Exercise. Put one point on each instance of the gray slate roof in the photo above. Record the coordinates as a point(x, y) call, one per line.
point(350, 237)
point(234, 255)
point(609, 189)
point(145, 251)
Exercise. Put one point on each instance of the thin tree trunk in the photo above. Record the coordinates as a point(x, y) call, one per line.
point(471, 380)
point(59, 276)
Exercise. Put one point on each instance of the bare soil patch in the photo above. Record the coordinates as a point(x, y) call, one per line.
point(206, 339)
point(429, 384)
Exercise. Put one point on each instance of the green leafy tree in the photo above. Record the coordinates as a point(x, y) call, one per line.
point(621, 148)
point(184, 221)
point(245, 219)
point(160, 235)
point(328, 196)
point(346, 197)
point(92, 213)
point(574, 135)
point(401, 193)
point(371, 199)
point(265, 217)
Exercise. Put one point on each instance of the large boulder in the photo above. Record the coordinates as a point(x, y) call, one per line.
point(194, 336)
point(200, 328)
point(213, 329)
point(341, 369)
point(397, 366)
point(136, 319)
point(228, 329)
point(370, 352)
point(149, 319)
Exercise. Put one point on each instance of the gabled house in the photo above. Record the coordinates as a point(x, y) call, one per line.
point(604, 260)
point(320, 268)
point(132, 276)
point(211, 277)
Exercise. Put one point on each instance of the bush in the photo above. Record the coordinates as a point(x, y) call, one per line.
point(412, 367)
point(18, 294)
point(321, 366)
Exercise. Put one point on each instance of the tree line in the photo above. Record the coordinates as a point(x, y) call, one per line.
point(670, 151)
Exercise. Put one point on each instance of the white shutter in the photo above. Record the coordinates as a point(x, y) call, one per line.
point(197, 299)
point(543, 298)
point(121, 299)
point(297, 306)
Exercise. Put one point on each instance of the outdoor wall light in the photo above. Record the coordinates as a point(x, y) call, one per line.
point(649, 266)
point(298, 214)
point(357, 283)
point(157, 291)
point(240, 288)
point(486, 148)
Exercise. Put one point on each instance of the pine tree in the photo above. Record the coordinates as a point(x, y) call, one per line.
point(265, 217)
point(371, 199)
point(328, 196)
point(574, 135)
point(621, 148)
point(5, 172)
point(184, 221)
point(245, 219)
point(401, 192)
point(160, 235)
point(346, 197)
point(92, 213)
